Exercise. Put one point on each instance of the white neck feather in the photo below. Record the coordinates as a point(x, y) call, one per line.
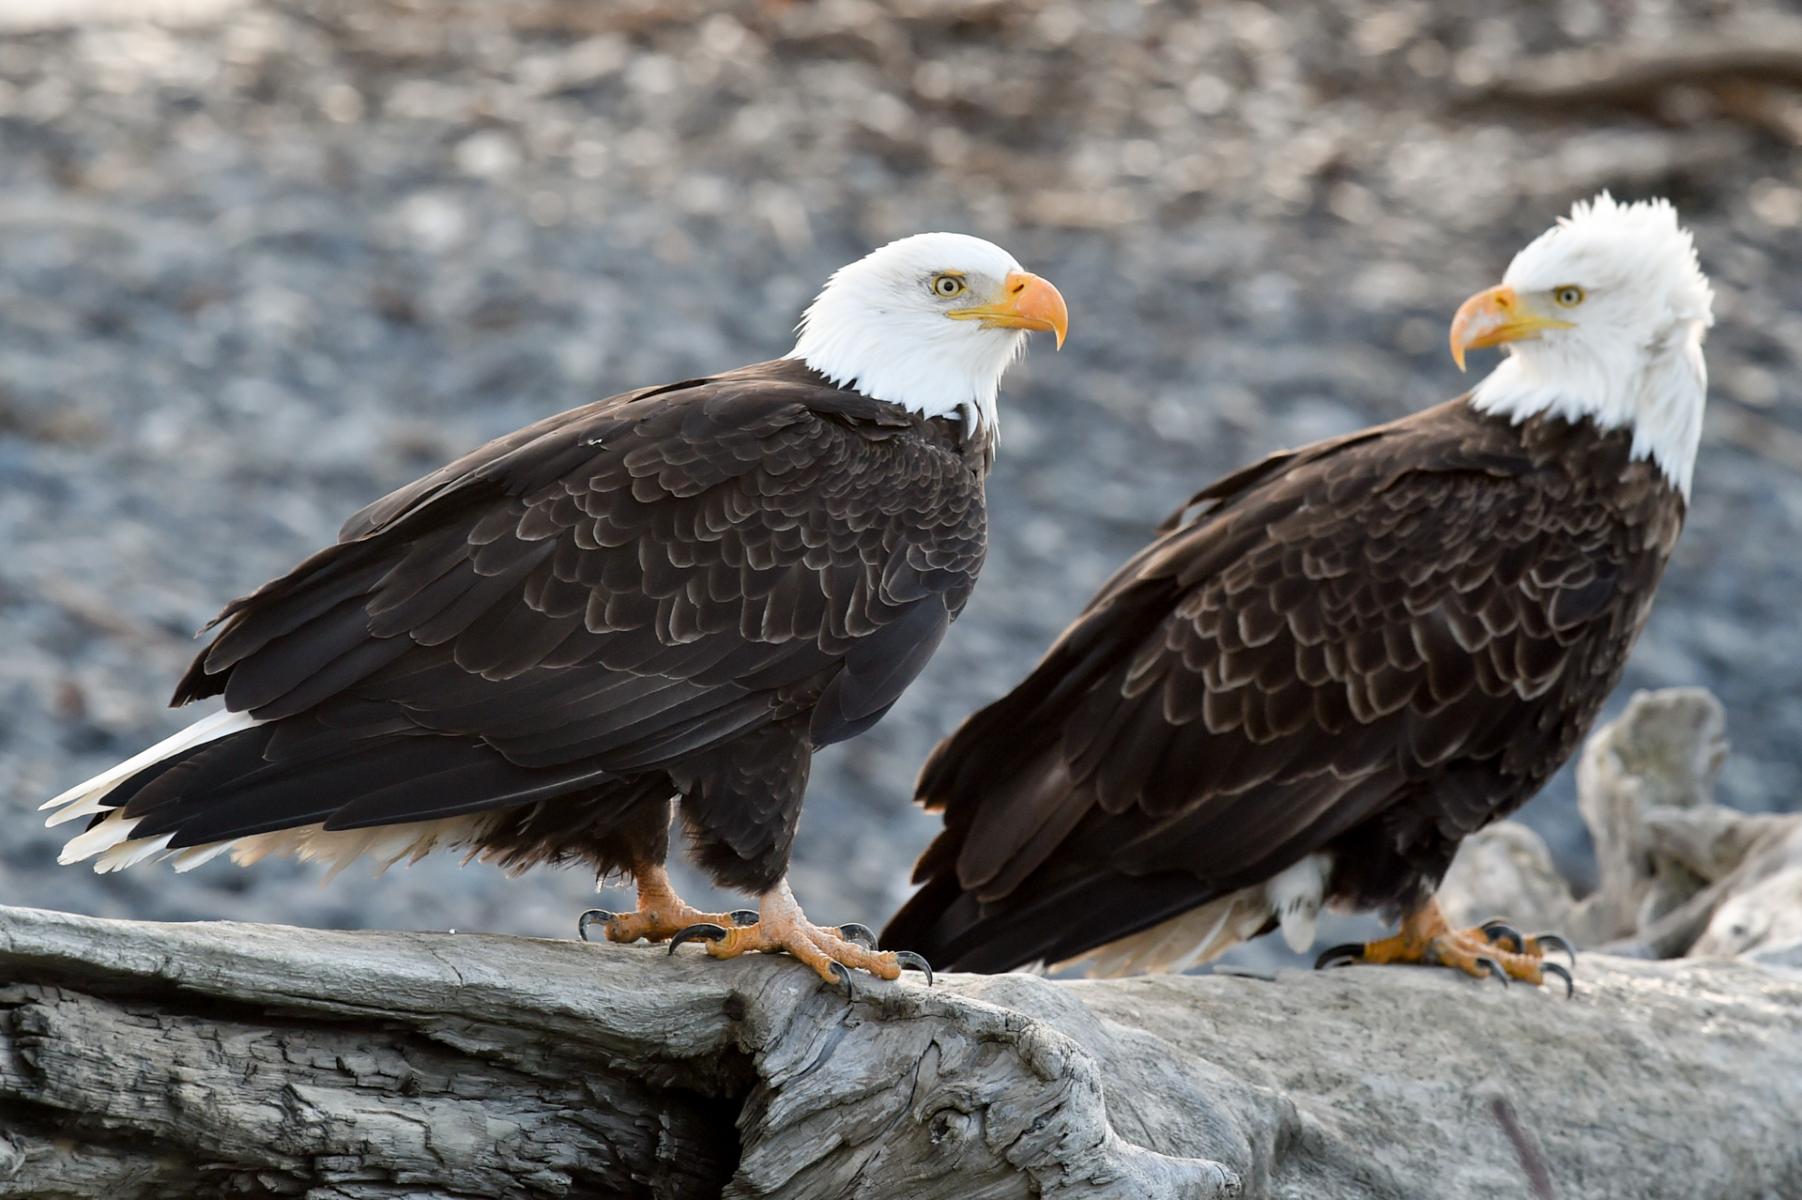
point(1658, 392)
point(938, 369)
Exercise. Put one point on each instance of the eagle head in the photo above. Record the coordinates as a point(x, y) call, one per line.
point(930, 322)
point(1603, 316)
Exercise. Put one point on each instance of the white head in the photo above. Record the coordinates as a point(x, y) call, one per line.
point(1603, 316)
point(930, 322)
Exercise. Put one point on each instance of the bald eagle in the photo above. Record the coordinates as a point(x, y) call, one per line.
point(669, 597)
point(1332, 666)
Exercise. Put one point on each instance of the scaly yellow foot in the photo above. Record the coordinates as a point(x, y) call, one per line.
point(661, 913)
point(1427, 939)
point(783, 928)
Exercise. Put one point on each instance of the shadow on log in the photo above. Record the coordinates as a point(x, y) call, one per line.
point(244, 1060)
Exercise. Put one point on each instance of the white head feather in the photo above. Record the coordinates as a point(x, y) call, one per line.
point(1632, 356)
point(880, 325)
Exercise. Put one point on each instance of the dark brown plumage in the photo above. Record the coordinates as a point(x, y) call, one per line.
point(1336, 664)
point(679, 590)
point(1366, 649)
point(663, 601)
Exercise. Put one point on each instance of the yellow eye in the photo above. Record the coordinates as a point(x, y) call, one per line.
point(1568, 296)
point(948, 286)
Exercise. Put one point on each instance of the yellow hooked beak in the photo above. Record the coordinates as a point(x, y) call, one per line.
point(1494, 317)
point(1026, 302)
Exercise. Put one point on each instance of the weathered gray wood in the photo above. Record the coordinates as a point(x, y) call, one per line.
point(1677, 873)
point(243, 1060)
point(1661, 756)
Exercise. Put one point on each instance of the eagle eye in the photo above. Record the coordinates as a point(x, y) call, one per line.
point(1567, 295)
point(946, 285)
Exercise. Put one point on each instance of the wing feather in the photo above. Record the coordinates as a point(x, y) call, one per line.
point(1332, 635)
point(606, 591)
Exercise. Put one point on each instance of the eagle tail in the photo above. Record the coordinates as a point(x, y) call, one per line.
point(1107, 925)
point(89, 797)
point(231, 783)
point(1177, 943)
point(1059, 924)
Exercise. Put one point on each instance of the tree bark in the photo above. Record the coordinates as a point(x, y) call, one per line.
point(247, 1060)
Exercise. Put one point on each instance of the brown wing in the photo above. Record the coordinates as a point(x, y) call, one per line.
point(600, 594)
point(1413, 625)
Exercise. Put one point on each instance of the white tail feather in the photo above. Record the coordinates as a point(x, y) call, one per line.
point(111, 844)
point(111, 832)
point(383, 846)
point(1197, 936)
point(111, 839)
point(88, 806)
point(83, 795)
point(130, 854)
point(187, 859)
point(1293, 896)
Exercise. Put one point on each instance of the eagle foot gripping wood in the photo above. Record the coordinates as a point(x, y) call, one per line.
point(833, 953)
point(661, 913)
point(1427, 939)
point(626, 928)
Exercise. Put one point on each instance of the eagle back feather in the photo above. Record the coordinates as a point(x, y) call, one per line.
point(1404, 631)
point(623, 588)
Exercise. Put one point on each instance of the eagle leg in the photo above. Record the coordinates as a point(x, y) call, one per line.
point(1426, 938)
point(783, 928)
point(661, 913)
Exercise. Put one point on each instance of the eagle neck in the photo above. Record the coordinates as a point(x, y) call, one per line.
point(972, 441)
point(934, 373)
point(1656, 393)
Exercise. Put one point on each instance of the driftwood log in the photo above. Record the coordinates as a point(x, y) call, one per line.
point(1677, 873)
point(146, 1060)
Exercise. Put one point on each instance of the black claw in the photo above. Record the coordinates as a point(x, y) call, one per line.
point(744, 916)
point(594, 916)
point(913, 962)
point(1551, 941)
point(1496, 931)
point(842, 973)
point(851, 931)
point(706, 932)
point(1493, 967)
point(1570, 986)
point(1341, 956)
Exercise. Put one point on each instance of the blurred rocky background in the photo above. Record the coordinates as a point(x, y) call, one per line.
point(261, 262)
